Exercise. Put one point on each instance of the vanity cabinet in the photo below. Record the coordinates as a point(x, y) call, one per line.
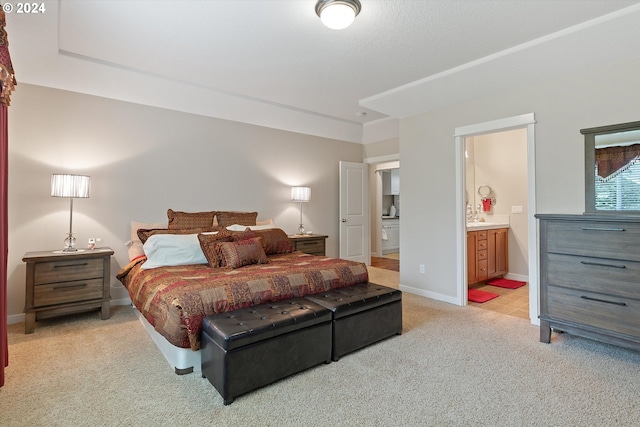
point(487, 254)
point(392, 229)
point(589, 269)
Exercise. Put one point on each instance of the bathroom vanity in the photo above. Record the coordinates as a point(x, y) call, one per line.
point(487, 251)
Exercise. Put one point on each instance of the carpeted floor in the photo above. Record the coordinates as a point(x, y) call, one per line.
point(452, 366)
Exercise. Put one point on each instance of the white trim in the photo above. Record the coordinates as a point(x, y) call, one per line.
point(521, 121)
point(428, 294)
point(381, 159)
point(15, 318)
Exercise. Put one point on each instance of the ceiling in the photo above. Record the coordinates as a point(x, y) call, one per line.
point(273, 63)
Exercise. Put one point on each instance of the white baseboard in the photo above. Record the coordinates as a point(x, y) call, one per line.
point(428, 294)
point(15, 318)
point(518, 277)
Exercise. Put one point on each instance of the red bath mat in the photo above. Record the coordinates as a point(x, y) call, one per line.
point(506, 283)
point(477, 295)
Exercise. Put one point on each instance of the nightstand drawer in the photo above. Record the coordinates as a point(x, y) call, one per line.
point(68, 270)
point(311, 247)
point(64, 292)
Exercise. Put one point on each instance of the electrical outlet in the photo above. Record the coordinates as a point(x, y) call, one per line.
point(422, 268)
point(516, 209)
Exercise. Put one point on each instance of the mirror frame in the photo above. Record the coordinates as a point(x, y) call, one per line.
point(590, 164)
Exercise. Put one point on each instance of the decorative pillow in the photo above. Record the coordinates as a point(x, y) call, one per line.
point(186, 220)
point(163, 250)
point(243, 252)
point(238, 227)
point(209, 243)
point(226, 218)
point(275, 241)
point(135, 248)
point(144, 234)
point(242, 235)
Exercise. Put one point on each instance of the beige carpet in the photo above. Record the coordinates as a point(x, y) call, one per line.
point(452, 366)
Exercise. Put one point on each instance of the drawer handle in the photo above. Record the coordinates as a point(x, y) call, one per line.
point(601, 229)
point(69, 265)
point(602, 264)
point(603, 300)
point(79, 285)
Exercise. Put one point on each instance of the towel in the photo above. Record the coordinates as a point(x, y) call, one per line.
point(384, 234)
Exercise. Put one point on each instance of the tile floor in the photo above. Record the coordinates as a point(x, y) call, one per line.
point(514, 302)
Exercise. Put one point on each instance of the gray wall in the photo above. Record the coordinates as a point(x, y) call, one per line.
point(144, 160)
point(562, 107)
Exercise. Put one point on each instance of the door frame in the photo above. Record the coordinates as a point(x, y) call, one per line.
point(516, 122)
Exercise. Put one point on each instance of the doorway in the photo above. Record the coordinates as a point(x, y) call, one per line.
point(525, 121)
point(496, 163)
point(385, 214)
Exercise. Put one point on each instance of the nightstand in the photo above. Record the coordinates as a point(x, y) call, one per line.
point(60, 283)
point(312, 244)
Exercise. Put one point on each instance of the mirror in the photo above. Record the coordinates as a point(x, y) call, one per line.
point(612, 168)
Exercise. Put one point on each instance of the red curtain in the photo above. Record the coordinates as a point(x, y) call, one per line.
point(7, 83)
point(4, 249)
point(612, 160)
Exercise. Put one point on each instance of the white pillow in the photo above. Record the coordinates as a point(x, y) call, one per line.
point(163, 250)
point(135, 245)
point(238, 227)
point(265, 222)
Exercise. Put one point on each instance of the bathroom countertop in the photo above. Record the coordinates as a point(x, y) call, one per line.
point(390, 217)
point(475, 226)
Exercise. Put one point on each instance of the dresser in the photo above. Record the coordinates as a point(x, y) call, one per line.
point(312, 244)
point(63, 283)
point(589, 277)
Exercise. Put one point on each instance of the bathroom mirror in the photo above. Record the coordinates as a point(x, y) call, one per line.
point(612, 168)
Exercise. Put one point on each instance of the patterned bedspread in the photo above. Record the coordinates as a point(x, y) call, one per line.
point(175, 300)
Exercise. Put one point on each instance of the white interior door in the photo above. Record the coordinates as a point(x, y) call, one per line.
point(354, 212)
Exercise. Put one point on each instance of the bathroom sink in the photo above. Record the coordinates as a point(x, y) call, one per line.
point(486, 225)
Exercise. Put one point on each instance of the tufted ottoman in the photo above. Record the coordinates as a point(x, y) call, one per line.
point(362, 314)
point(251, 347)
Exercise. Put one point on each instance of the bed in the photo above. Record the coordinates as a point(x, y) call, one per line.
point(172, 300)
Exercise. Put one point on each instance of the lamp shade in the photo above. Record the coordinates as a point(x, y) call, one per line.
point(300, 194)
point(72, 186)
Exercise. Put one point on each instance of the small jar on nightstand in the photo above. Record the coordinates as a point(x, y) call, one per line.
point(60, 283)
point(312, 244)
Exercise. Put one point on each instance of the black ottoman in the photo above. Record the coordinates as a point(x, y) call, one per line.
point(362, 314)
point(251, 347)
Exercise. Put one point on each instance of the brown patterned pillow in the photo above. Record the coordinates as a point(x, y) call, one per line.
point(242, 235)
point(145, 233)
point(184, 220)
point(225, 218)
point(275, 241)
point(210, 244)
point(244, 252)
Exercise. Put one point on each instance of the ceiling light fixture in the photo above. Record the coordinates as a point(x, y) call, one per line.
point(337, 14)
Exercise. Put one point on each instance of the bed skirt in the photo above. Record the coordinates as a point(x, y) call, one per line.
point(183, 360)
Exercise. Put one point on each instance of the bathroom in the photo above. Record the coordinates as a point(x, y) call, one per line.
point(497, 192)
point(385, 215)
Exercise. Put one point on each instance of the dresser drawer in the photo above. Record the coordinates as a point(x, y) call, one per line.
point(613, 240)
point(68, 270)
point(613, 277)
point(64, 292)
point(595, 310)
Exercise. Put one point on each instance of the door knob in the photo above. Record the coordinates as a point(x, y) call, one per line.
point(344, 220)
